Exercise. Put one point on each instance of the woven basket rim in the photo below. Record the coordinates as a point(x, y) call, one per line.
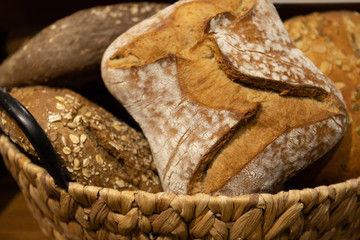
point(37, 169)
point(325, 211)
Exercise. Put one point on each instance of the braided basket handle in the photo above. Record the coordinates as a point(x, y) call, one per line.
point(36, 136)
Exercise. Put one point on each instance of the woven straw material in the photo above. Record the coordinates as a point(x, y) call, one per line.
point(88, 212)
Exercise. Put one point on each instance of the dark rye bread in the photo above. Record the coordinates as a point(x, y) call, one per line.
point(331, 40)
point(68, 52)
point(93, 146)
point(228, 104)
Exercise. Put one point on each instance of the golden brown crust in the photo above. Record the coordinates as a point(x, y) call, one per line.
point(93, 146)
point(332, 41)
point(222, 96)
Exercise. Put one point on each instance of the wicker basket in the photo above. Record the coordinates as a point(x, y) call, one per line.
point(74, 211)
point(88, 212)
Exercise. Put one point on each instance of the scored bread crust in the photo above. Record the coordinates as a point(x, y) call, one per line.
point(227, 103)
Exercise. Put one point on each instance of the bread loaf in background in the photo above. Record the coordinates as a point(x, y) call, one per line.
point(68, 52)
point(227, 103)
point(93, 146)
point(332, 41)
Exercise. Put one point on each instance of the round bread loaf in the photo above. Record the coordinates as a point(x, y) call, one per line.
point(68, 52)
point(94, 148)
point(228, 104)
point(332, 41)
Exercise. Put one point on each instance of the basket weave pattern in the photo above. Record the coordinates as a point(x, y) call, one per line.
point(88, 212)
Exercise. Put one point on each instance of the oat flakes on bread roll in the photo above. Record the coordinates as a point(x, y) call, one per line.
point(93, 146)
point(331, 40)
point(227, 103)
point(68, 52)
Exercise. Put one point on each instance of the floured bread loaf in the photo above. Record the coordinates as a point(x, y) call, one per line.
point(227, 103)
point(332, 41)
point(94, 148)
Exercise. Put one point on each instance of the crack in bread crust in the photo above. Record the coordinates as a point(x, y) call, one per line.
point(263, 172)
point(186, 94)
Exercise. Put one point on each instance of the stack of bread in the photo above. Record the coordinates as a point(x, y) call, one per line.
point(226, 103)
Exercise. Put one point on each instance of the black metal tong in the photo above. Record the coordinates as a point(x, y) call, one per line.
point(36, 136)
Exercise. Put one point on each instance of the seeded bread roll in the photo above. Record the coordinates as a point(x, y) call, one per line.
point(332, 41)
point(228, 104)
point(93, 146)
point(68, 52)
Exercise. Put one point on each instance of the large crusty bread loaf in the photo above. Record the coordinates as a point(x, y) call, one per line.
point(227, 103)
point(332, 41)
point(93, 146)
point(68, 52)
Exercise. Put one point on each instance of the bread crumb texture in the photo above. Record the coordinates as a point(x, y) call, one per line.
point(93, 146)
point(229, 105)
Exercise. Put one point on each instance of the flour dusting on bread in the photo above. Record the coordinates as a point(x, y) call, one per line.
point(269, 53)
point(193, 128)
point(263, 173)
point(215, 87)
